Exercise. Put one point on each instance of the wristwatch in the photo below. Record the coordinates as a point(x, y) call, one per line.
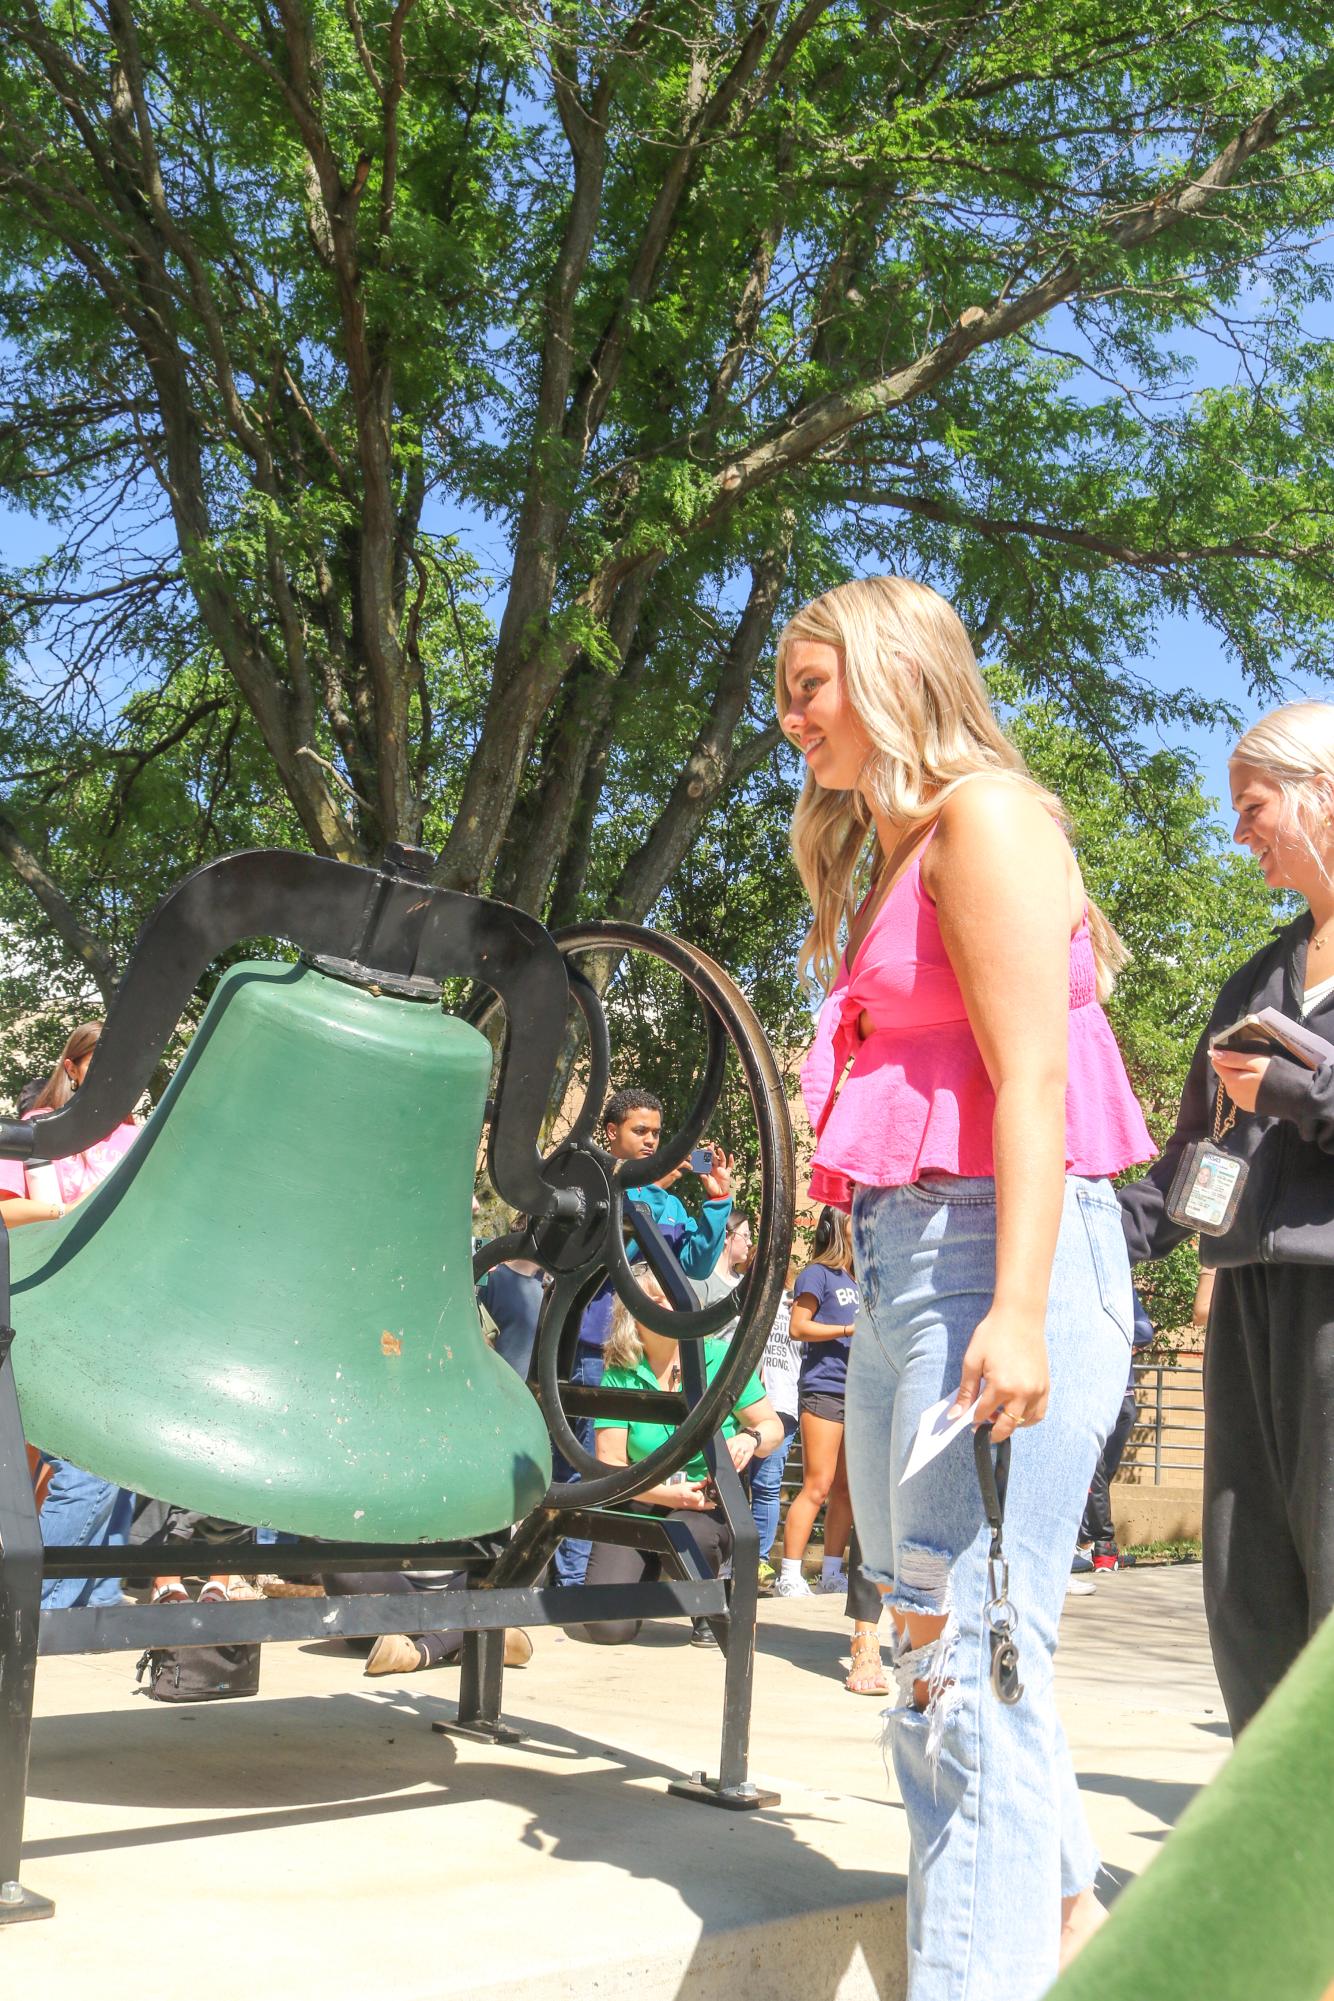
point(749, 1431)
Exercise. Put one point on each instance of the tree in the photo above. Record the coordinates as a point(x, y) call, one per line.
point(182, 777)
point(701, 310)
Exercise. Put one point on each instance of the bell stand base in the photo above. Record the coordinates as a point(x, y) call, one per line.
point(746, 1798)
point(19, 1906)
point(480, 1731)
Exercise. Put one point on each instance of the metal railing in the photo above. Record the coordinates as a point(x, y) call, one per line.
point(1169, 1433)
point(1168, 1436)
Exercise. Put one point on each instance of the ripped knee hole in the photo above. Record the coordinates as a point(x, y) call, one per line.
point(927, 1637)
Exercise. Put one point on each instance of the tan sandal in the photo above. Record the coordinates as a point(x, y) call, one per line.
point(866, 1675)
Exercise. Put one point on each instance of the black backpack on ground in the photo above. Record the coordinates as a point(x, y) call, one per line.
point(199, 1674)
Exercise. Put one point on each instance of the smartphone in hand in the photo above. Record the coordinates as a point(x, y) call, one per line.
point(1242, 1039)
point(701, 1160)
point(1272, 1033)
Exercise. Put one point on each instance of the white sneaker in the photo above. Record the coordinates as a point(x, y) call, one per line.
point(1080, 1587)
point(829, 1587)
point(792, 1587)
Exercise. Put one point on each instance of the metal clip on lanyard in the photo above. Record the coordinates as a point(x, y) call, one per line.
point(1001, 1617)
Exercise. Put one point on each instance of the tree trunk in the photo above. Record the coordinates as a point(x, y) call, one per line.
point(65, 920)
point(709, 767)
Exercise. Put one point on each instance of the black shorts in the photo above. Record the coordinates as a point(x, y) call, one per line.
point(827, 1404)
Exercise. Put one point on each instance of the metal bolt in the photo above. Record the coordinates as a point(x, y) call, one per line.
point(11, 1892)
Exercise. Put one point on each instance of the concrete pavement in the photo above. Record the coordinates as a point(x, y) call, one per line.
point(320, 1841)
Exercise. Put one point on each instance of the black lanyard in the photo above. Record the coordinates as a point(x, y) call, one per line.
point(993, 1478)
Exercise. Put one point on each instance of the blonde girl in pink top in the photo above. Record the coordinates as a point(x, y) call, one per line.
point(970, 1103)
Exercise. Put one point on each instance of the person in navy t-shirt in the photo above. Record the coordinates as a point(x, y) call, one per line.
point(823, 1310)
point(824, 1366)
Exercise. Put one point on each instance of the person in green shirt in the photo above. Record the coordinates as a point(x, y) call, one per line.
point(639, 1359)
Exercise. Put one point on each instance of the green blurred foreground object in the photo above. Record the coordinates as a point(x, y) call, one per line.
point(1239, 1905)
point(266, 1311)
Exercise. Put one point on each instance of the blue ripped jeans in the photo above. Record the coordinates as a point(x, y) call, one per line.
point(84, 1511)
point(573, 1552)
point(997, 1830)
point(766, 1485)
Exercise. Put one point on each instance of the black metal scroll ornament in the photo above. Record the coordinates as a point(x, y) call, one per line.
point(580, 1259)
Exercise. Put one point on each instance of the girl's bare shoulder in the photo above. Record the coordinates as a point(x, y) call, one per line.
point(985, 811)
point(999, 826)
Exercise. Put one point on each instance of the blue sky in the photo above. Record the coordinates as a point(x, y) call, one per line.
point(1187, 652)
point(1190, 654)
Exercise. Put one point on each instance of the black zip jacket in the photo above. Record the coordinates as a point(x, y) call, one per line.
point(1286, 1212)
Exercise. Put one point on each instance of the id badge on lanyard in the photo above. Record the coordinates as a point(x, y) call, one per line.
point(1207, 1185)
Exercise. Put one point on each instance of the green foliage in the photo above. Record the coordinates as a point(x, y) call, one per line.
point(1187, 1550)
point(431, 408)
point(118, 818)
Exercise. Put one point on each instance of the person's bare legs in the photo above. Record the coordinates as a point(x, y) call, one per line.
point(838, 1511)
point(821, 1446)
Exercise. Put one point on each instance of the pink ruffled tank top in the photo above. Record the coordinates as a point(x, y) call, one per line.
point(77, 1174)
point(918, 1099)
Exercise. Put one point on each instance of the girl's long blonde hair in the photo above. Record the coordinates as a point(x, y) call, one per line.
point(623, 1348)
point(912, 678)
point(1294, 746)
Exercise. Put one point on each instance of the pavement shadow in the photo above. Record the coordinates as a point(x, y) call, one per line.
point(814, 1649)
point(570, 1822)
point(232, 1768)
point(1157, 1624)
point(1165, 1799)
point(295, 1751)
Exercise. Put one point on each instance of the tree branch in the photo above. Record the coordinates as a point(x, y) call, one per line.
point(831, 417)
point(709, 768)
point(65, 920)
point(707, 120)
point(1264, 547)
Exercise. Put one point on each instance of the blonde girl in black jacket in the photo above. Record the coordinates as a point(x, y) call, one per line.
point(1269, 1353)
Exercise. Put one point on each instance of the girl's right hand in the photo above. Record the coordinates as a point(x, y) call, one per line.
point(1006, 1367)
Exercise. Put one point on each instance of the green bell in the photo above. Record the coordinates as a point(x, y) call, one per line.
point(266, 1311)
